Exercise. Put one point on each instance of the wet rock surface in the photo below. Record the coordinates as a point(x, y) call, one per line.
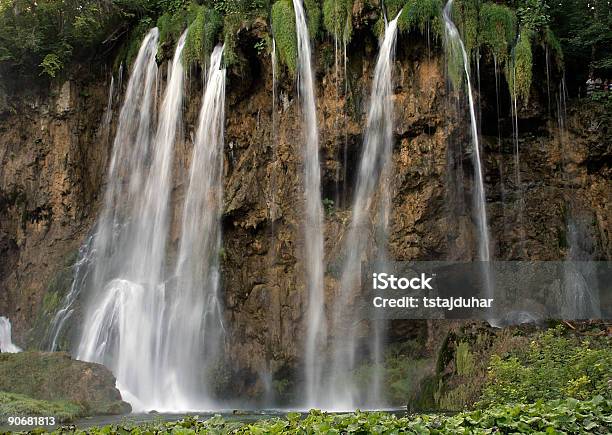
point(53, 161)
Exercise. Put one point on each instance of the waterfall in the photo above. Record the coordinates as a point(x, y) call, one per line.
point(6, 341)
point(194, 325)
point(579, 290)
point(80, 275)
point(374, 171)
point(316, 333)
point(454, 45)
point(126, 308)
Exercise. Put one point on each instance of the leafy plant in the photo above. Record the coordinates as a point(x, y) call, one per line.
point(570, 416)
point(51, 64)
point(553, 367)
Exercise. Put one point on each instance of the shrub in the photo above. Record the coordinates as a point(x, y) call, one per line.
point(283, 28)
point(48, 34)
point(553, 367)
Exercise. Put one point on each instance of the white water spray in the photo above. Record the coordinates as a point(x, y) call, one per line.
point(125, 324)
point(195, 325)
point(339, 390)
point(454, 43)
point(316, 334)
point(6, 341)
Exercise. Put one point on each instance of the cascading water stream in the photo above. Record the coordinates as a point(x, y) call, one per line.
point(80, 275)
point(455, 45)
point(580, 292)
point(126, 313)
point(6, 340)
point(374, 170)
point(195, 325)
point(316, 334)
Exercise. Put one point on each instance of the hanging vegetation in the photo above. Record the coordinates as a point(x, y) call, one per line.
point(312, 8)
point(421, 15)
point(519, 70)
point(551, 41)
point(337, 19)
point(465, 15)
point(497, 30)
point(202, 36)
point(283, 28)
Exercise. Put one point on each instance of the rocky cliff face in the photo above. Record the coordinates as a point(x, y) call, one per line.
point(53, 155)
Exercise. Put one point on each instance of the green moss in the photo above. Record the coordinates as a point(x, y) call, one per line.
point(171, 26)
point(19, 405)
point(129, 49)
point(337, 19)
point(419, 15)
point(283, 27)
point(465, 15)
point(554, 46)
point(519, 71)
point(313, 17)
point(202, 36)
point(497, 29)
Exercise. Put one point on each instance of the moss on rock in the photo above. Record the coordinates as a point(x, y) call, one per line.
point(54, 376)
point(19, 405)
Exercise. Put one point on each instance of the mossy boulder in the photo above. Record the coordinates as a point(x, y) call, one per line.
point(56, 377)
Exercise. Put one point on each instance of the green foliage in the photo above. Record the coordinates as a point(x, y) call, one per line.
point(171, 25)
point(51, 64)
point(584, 30)
point(497, 29)
point(48, 34)
point(464, 359)
point(533, 14)
point(403, 370)
point(569, 416)
point(519, 71)
point(328, 205)
point(420, 15)
point(554, 46)
point(337, 19)
point(313, 17)
point(283, 28)
point(553, 367)
point(465, 15)
point(19, 405)
point(202, 36)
